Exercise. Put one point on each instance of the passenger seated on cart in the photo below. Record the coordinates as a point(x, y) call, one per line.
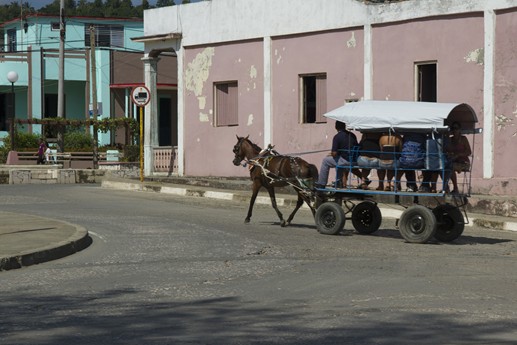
point(412, 158)
point(458, 152)
point(369, 154)
point(430, 177)
point(342, 144)
point(391, 145)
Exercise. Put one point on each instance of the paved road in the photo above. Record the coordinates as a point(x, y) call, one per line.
point(166, 269)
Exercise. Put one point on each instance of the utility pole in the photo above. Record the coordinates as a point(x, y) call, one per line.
point(93, 66)
point(61, 77)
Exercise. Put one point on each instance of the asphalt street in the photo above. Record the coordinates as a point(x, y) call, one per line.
point(168, 269)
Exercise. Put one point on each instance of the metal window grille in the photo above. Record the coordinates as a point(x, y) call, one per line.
point(106, 35)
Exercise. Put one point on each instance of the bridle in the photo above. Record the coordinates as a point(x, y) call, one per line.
point(237, 151)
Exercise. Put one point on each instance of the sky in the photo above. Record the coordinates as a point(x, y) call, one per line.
point(40, 3)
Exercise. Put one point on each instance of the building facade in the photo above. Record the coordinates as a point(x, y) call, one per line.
point(31, 48)
point(271, 68)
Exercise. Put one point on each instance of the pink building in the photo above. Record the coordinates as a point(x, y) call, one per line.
point(270, 69)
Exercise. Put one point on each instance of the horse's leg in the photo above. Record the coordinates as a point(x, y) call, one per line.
point(256, 188)
point(299, 204)
point(271, 191)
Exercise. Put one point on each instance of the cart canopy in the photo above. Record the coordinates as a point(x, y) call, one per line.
point(402, 115)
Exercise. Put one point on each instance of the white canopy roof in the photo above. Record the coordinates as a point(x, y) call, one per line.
point(403, 115)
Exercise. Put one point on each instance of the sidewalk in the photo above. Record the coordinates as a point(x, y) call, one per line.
point(240, 190)
point(27, 240)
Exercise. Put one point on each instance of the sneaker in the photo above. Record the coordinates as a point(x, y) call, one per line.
point(411, 189)
point(319, 186)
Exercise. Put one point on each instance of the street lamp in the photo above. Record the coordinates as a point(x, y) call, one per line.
point(12, 76)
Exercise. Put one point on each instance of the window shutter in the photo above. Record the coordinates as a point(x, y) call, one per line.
point(226, 104)
point(321, 98)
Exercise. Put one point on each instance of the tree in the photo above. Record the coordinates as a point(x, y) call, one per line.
point(12, 11)
point(163, 3)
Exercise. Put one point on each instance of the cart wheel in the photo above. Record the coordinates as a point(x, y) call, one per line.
point(330, 218)
point(450, 223)
point(366, 217)
point(417, 224)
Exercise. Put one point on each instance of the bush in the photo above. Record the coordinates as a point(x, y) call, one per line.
point(131, 153)
point(77, 141)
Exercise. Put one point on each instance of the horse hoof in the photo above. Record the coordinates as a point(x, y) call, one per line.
point(246, 221)
point(283, 224)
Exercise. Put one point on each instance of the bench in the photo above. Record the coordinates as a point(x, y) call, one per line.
point(69, 160)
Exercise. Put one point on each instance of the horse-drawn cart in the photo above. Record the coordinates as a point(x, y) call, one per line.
point(419, 222)
point(441, 215)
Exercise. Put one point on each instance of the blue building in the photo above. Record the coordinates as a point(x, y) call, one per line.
point(31, 49)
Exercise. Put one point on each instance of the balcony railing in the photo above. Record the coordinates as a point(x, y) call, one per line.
point(165, 157)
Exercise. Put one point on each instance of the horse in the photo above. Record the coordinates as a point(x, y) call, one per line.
point(269, 169)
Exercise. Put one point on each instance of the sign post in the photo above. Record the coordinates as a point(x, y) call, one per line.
point(141, 96)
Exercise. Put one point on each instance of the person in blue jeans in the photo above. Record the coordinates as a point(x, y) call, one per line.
point(342, 144)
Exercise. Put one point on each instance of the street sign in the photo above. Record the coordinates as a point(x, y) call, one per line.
point(140, 95)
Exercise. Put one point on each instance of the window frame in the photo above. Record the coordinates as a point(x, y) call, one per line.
point(418, 81)
point(314, 115)
point(12, 41)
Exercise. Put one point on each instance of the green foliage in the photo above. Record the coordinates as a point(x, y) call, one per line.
point(24, 142)
point(12, 10)
point(131, 153)
point(163, 3)
point(77, 140)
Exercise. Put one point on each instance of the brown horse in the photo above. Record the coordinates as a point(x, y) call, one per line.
point(270, 170)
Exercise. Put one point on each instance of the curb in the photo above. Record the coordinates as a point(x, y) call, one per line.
point(75, 243)
point(387, 212)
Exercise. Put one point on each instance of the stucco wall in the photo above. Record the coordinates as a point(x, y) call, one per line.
point(458, 56)
point(209, 148)
point(340, 55)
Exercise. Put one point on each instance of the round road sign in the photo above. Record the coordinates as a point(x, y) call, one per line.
point(140, 96)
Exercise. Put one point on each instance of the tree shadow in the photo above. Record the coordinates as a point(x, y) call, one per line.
point(120, 317)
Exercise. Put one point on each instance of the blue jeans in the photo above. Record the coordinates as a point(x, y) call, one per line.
point(368, 162)
point(331, 162)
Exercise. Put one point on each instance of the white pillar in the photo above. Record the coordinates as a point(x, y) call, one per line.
point(488, 95)
point(368, 75)
point(151, 113)
point(268, 120)
point(180, 58)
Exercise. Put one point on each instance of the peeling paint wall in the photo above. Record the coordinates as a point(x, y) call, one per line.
point(206, 144)
point(223, 41)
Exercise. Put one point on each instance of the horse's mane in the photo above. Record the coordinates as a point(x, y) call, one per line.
point(255, 146)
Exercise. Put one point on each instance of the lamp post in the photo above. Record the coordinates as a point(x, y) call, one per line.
point(12, 76)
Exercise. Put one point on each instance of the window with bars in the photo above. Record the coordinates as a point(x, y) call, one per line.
point(106, 35)
point(11, 40)
point(313, 98)
point(226, 104)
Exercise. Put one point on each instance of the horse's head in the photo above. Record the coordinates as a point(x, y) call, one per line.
point(245, 149)
point(239, 150)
